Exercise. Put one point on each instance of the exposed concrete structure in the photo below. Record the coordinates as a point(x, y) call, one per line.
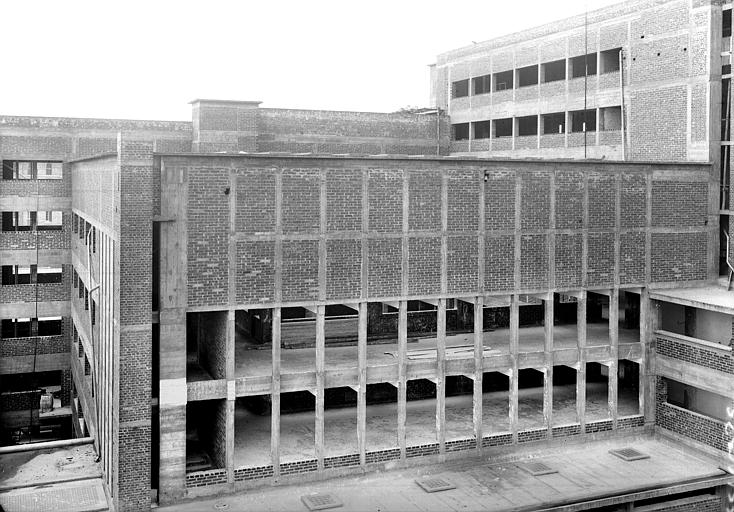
point(265, 295)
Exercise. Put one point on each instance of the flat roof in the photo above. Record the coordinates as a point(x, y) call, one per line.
point(446, 158)
point(712, 297)
point(584, 472)
point(36, 467)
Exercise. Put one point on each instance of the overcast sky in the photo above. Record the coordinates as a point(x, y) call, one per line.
point(146, 59)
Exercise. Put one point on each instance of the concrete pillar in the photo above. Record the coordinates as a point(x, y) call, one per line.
point(581, 368)
point(478, 367)
point(441, 377)
point(548, 320)
point(320, 383)
point(402, 374)
point(275, 397)
point(614, 355)
point(514, 372)
point(362, 390)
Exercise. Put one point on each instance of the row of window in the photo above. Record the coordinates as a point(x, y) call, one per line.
point(84, 228)
point(48, 220)
point(591, 64)
point(19, 274)
point(84, 294)
point(32, 170)
point(579, 121)
point(24, 327)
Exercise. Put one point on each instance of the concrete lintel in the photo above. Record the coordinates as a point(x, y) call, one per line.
point(351, 305)
point(574, 366)
point(501, 301)
point(468, 375)
point(606, 292)
point(392, 303)
point(580, 294)
point(432, 302)
point(507, 372)
point(542, 296)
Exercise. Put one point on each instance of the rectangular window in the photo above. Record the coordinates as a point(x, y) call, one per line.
point(482, 129)
point(460, 131)
point(610, 118)
point(482, 84)
point(46, 275)
point(50, 326)
point(49, 170)
point(527, 125)
point(554, 71)
point(609, 60)
point(554, 123)
point(16, 274)
point(503, 80)
point(18, 221)
point(29, 170)
point(16, 327)
point(460, 88)
point(583, 120)
point(50, 220)
point(527, 76)
point(502, 127)
point(726, 23)
point(584, 65)
point(94, 312)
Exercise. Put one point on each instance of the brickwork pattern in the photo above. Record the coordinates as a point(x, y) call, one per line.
point(424, 265)
point(255, 271)
point(385, 274)
point(499, 200)
point(424, 192)
point(255, 212)
point(632, 257)
point(600, 269)
point(300, 269)
point(301, 200)
point(208, 237)
point(679, 203)
point(463, 200)
point(678, 256)
point(343, 268)
point(462, 263)
point(535, 206)
point(569, 200)
point(385, 201)
point(344, 200)
point(602, 207)
point(670, 347)
point(499, 263)
point(568, 257)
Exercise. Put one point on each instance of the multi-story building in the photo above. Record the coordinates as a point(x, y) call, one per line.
point(266, 295)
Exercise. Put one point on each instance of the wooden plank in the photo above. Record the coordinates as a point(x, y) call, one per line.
point(402, 372)
point(478, 369)
point(362, 393)
point(441, 377)
point(320, 367)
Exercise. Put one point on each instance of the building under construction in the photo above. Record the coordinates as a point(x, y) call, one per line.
point(269, 296)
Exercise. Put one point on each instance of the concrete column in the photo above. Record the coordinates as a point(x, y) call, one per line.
point(402, 373)
point(581, 369)
point(478, 367)
point(441, 377)
point(172, 338)
point(514, 372)
point(275, 396)
point(548, 375)
point(614, 355)
point(362, 390)
point(320, 382)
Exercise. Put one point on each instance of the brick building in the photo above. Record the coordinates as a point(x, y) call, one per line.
point(267, 295)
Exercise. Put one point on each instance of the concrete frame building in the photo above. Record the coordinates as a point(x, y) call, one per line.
point(202, 297)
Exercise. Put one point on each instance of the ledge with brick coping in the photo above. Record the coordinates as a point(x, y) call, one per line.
point(696, 342)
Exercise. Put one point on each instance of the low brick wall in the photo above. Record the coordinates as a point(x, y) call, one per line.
point(204, 478)
point(700, 428)
point(669, 345)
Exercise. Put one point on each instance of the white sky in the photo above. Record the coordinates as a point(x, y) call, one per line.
point(146, 59)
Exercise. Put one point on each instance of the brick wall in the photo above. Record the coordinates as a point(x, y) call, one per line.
point(212, 336)
point(670, 347)
point(689, 424)
point(293, 253)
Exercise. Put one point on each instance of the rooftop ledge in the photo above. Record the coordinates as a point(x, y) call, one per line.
point(711, 297)
point(449, 158)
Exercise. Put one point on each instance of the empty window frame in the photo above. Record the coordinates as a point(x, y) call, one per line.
point(16, 327)
point(50, 326)
point(460, 88)
point(17, 221)
point(50, 220)
point(28, 170)
point(16, 274)
point(482, 84)
point(502, 127)
point(460, 131)
point(527, 76)
point(610, 118)
point(554, 71)
point(583, 120)
point(482, 129)
point(609, 60)
point(554, 123)
point(418, 305)
point(527, 125)
point(726, 23)
point(583, 65)
point(47, 275)
point(502, 80)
